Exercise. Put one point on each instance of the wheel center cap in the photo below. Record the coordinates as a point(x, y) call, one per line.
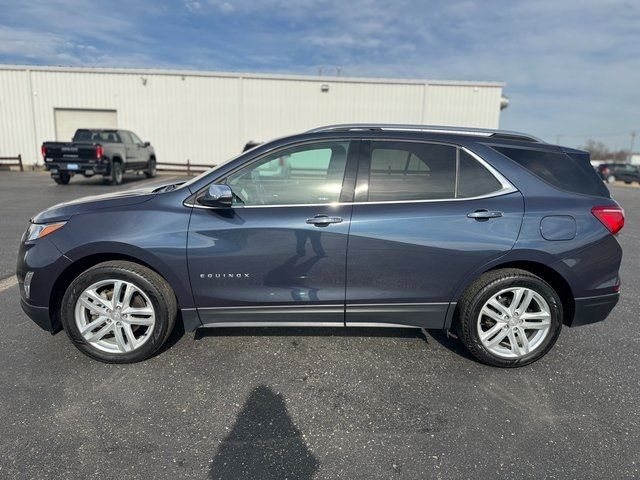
point(116, 316)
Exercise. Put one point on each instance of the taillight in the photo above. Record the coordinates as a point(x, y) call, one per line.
point(99, 152)
point(43, 150)
point(605, 170)
point(610, 217)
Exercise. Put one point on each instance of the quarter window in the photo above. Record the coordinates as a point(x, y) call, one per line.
point(308, 174)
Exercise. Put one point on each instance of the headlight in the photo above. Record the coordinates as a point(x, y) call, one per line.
point(42, 230)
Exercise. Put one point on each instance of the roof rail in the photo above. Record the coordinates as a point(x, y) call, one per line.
point(482, 132)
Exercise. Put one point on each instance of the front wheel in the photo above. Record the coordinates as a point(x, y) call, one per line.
point(118, 312)
point(151, 168)
point(509, 318)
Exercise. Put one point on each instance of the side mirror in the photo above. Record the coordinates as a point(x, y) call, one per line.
point(147, 144)
point(217, 195)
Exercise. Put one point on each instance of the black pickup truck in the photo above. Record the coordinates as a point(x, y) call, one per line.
point(104, 152)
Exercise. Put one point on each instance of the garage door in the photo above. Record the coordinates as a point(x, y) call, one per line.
point(69, 120)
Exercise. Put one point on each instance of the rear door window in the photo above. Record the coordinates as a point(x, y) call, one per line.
point(563, 171)
point(474, 179)
point(406, 171)
point(411, 171)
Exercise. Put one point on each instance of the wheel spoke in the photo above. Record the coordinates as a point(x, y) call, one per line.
point(486, 335)
point(94, 302)
point(145, 321)
point(92, 325)
point(535, 325)
point(492, 314)
point(97, 336)
point(495, 341)
point(131, 338)
point(129, 290)
point(525, 302)
point(117, 332)
point(146, 311)
point(513, 343)
point(498, 306)
point(117, 293)
point(517, 297)
point(524, 341)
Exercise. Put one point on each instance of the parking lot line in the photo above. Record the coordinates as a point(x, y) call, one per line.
point(8, 282)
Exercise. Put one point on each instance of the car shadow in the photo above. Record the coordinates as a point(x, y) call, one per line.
point(264, 443)
point(450, 342)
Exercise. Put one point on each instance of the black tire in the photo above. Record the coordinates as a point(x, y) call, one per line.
point(151, 169)
point(481, 290)
point(116, 173)
point(153, 285)
point(63, 178)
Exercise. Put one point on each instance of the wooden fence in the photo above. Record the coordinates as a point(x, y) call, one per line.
point(190, 168)
point(12, 162)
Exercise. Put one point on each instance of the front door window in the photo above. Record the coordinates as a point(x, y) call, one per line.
point(305, 175)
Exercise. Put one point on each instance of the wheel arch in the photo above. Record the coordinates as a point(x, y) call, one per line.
point(538, 267)
point(81, 264)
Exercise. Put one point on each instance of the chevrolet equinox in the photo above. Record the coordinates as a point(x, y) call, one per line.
point(495, 236)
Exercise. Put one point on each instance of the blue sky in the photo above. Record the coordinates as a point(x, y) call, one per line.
point(572, 68)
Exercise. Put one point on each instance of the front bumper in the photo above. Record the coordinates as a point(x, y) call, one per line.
point(40, 315)
point(593, 309)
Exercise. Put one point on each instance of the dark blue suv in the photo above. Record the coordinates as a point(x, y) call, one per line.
point(494, 235)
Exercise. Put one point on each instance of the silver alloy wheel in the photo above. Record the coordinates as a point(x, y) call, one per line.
point(514, 322)
point(115, 316)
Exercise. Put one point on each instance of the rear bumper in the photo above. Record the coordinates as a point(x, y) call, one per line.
point(593, 309)
point(83, 167)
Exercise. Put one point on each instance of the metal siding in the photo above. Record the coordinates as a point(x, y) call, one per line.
point(16, 121)
point(208, 118)
point(463, 106)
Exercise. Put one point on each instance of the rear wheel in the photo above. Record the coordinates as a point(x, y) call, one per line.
point(118, 312)
point(151, 169)
point(116, 173)
point(63, 178)
point(509, 318)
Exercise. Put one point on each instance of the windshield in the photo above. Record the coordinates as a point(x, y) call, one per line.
point(105, 136)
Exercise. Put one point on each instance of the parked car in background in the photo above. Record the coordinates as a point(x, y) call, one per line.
point(105, 152)
point(624, 172)
point(341, 226)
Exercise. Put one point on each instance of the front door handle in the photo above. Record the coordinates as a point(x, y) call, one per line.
point(484, 214)
point(323, 220)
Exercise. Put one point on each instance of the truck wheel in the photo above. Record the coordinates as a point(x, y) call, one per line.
point(119, 312)
point(62, 178)
point(509, 318)
point(116, 173)
point(151, 169)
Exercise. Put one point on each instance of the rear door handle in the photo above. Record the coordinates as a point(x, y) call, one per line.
point(484, 214)
point(323, 220)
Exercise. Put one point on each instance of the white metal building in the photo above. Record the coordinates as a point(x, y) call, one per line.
point(207, 117)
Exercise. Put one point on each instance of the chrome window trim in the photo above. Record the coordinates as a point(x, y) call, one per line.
point(507, 187)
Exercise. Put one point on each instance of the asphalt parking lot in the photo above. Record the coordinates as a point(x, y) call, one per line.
point(307, 403)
